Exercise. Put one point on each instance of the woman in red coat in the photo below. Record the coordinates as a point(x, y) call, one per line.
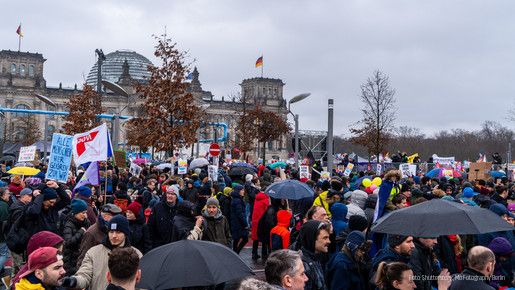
point(260, 205)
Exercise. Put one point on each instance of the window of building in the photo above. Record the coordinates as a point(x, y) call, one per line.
point(13, 68)
point(22, 70)
point(21, 107)
point(31, 70)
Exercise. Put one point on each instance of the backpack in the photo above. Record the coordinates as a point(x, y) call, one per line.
point(18, 236)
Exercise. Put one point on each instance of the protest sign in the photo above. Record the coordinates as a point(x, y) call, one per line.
point(443, 160)
point(27, 154)
point(408, 170)
point(212, 171)
point(340, 168)
point(379, 169)
point(60, 157)
point(304, 171)
point(479, 170)
point(325, 175)
point(182, 166)
point(135, 169)
point(120, 159)
point(348, 170)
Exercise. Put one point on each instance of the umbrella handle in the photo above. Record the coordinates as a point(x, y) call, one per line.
point(287, 204)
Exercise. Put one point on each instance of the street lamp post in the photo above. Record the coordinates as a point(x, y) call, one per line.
point(330, 136)
point(51, 103)
point(296, 99)
point(116, 117)
point(2, 133)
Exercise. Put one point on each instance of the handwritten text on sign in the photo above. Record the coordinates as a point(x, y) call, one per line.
point(60, 157)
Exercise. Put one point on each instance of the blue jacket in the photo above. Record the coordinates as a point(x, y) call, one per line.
point(339, 220)
point(238, 221)
point(343, 273)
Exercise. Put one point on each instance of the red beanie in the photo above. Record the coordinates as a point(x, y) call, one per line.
point(135, 208)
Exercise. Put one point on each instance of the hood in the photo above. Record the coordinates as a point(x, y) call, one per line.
point(284, 218)
point(339, 211)
point(186, 208)
point(308, 232)
point(261, 196)
point(206, 215)
point(371, 201)
point(359, 198)
point(236, 191)
point(43, 239)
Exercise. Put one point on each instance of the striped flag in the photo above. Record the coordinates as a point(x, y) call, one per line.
point(259, 61)
point(18, 31)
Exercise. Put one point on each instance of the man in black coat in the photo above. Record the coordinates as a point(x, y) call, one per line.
point(422, 262)
point(42, 214)
point(481, 264)
point(160, 222)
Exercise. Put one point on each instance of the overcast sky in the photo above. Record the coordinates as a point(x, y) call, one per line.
point(452, 63)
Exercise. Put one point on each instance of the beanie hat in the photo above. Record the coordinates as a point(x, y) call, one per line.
point(501, 246)
point(336, 185)
point(174, 188)
point(84, 191)
point(26, 191)
point(119, 223)
point(212, 201)
point(135, 208)
point(395, 240)
point(78, 206)
point(248, 177)
point(354, 240)
point(49, 193)
point(358, 223)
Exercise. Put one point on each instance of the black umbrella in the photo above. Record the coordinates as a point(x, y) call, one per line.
point(7, 158)
point(190, 263)
point(439, 217)
point(289, 189)
point(240, 171)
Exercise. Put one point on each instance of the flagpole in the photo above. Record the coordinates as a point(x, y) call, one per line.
point(19, 43)
point(105, 191)
point(262, 65)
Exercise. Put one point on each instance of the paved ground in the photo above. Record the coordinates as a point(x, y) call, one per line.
point(257, 266)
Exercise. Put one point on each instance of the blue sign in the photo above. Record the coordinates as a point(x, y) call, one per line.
point(60, 157)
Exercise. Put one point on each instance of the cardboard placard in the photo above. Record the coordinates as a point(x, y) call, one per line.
point(212, 171)
point(348, 170)
point(60, 157)
point(304, 172)
point(135, 169)
point(479, 170)
point(182, 166)
point(408, 170)
point(120, 159)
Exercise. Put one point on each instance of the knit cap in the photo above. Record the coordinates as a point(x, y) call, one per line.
point(212, 201)
point(395, 240)
point(78, 206)
point(358, 223)
point(119, 223)
point(135, 208)
point(354, 240)
point(49, 193)
point(84, 191)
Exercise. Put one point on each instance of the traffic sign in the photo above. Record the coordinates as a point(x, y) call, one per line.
point(214, 149)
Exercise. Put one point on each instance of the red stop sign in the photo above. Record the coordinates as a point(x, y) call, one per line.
point(214, 149)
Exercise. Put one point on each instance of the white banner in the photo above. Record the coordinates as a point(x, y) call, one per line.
point(27, 153)
point(212, 171)
point(304, 172)
point(408, 170)
point(443, 160)
point(93, 145)
point(135, 169)
point(182, 167)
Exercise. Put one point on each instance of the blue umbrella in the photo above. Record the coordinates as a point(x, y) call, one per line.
point(243, 164)
point(497, 174)
point(433, 173)
point(289, 189)
point(277, 164)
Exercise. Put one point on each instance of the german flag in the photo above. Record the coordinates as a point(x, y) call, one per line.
point(18, 31)
point(259, 61)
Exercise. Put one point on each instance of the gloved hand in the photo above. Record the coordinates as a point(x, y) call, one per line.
point(69, 282)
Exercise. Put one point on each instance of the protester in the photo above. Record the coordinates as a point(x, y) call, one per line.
point(17, 185)
point(85, 194)
point(239, 226)
point(481, 266)
point(74, 229)
point(399, 249)
point(357, 203)
point(315, 241)
point(395, 275)
point(280, 234)
point(124, 270)
point(503, 274)
point(339, 217)
point(186, 224)
point(349, 268)
point(224, 199)
point(5, 197)
point(423, 262)
point(97, 232)
point(39, 240)
point(92, 272)
point(45, 270)
point(217, 229)
point(285, 269)
point(140, 235)
point(160, 221)
point(261, 204)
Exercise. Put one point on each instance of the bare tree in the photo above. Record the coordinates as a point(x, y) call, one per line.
point(29, 129)
point(83, 108)
point(374, 130)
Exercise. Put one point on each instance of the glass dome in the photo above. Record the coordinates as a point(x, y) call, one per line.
point(112, 67)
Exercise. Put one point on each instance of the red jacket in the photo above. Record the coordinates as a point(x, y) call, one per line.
point(280, 232)
point(260, 205)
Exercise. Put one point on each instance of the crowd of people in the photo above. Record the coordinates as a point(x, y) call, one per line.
point(62, 236)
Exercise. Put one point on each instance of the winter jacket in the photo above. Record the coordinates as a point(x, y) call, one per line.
point(311, 261)
point(225, 203)
point(184, 227)
point(93, 270)
point(4, 216)
point(191, 195)
point(160, 223)
point(16, 209)
point(92, 237)
point(25, 284)
point(339, 217)
point(261, 203)
point(217, 229)
point(250, 192)
point(280, 235)
point(92, 214)
point(72, 233)
point(15, 188)
point(421, 262)
point(343, 273)
point(140, 235)
point(358, 199)
point(321, 200)
point(37, 219)
point(147, 196)
point(239, 226)
point(470, 279)
point(267, 222)
point(387, 255)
